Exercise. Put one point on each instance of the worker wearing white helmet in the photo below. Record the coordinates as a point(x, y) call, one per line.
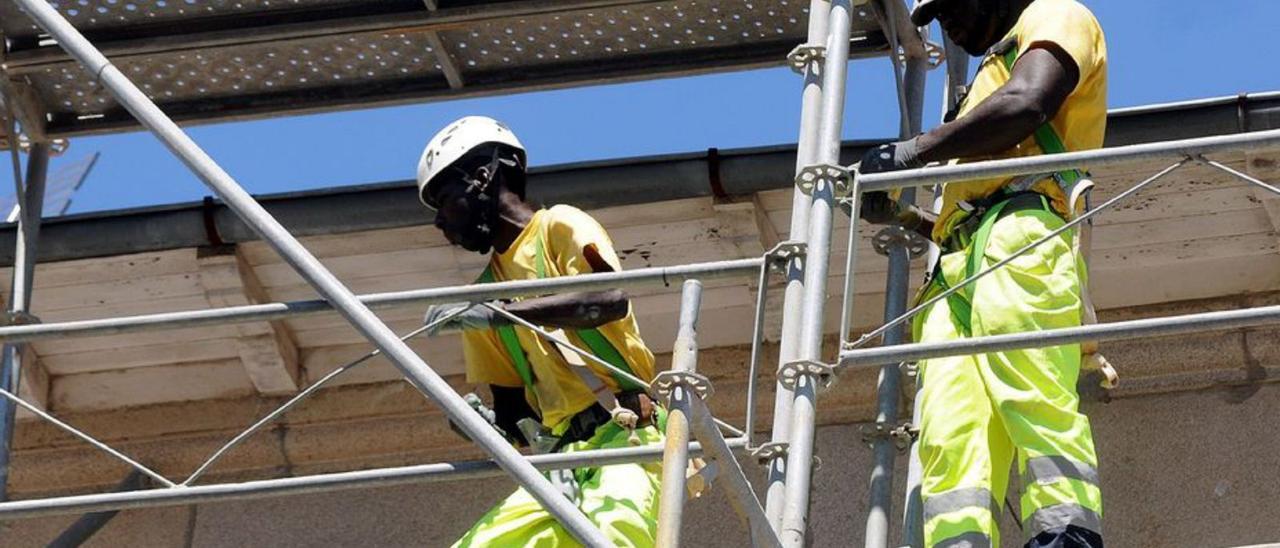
point(472, 174)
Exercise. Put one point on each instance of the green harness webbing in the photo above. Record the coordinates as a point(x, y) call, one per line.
point(593, 338)
point(1049, 142)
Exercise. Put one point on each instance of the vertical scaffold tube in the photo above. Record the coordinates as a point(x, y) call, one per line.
point(31, 209)
point(675, 456)
point(888, 386)
point(795, 511)
point(416, 371)
point(913, 510)
point(793, 293)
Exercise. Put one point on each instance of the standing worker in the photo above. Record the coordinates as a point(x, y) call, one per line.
point(472, 174)
point(1041, 89)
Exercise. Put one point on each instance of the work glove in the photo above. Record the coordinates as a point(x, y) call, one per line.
point(484, 411)
point(891, 157)
point(471, 317)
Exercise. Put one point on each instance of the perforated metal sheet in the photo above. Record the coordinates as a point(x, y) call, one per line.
point(211, 74)
point(102, 15)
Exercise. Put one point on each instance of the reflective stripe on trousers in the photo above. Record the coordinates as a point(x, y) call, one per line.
point(980, 412)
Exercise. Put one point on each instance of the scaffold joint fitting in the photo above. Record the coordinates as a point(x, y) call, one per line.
point(784, 253)
point(822, 373)
point(895, 236)
point(667, 381)
point(803, 55)
point(816, 176)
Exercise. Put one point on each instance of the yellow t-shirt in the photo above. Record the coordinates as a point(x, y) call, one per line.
point(558, 392)
point(1081, 122)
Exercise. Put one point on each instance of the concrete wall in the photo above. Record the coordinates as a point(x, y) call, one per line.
point(1192, 469)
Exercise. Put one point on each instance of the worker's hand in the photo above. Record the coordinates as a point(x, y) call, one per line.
point(876, 208)
point(447, 318)
point(891, 157)
point(485, 413)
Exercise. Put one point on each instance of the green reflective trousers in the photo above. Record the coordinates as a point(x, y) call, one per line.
point(622, 500)
point(979, 412)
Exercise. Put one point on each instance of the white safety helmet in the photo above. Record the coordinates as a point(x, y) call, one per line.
point(455, 142)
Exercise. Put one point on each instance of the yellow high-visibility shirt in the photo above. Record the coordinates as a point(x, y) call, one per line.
point(566, 233)
point(1081, 121)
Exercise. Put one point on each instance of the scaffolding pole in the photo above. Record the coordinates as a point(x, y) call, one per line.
point(30, 211)
point(675, 456)
point(799, 467)
point(793, 292)
point(270, 230)
point(361, 479)
point(638, 278)
point(957, 76)
point(911, 84)
point(1089, 159)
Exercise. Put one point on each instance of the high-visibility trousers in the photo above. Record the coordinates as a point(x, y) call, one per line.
point(979, 412)
point(622, 500)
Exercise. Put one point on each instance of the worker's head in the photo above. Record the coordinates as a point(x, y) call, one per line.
point(463, 174)
point(974, 25)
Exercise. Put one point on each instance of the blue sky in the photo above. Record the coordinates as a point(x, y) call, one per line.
point(1160, 50)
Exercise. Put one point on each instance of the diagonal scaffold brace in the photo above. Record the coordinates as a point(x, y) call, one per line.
point(270, 230)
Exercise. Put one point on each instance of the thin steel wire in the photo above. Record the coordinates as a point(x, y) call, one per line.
point(87, 438)
point(588, 355)
point(1244, 176)
point(302, 395)
point(1054, 234)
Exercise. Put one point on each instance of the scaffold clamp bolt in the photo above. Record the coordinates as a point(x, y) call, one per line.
point(902, 436)
point(769, 451)
point(838, 178)
point(665, 382)
point(804, 54)
point(822, 373)
point(14, 317)
point(784, 253)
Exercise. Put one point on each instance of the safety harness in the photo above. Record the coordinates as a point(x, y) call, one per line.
point(596, 342)
point(1017, 195)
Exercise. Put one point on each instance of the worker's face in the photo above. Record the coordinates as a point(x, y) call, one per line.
point(972, 24)
point(462, 214)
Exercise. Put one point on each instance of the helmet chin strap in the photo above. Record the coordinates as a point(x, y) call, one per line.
point(482, 195)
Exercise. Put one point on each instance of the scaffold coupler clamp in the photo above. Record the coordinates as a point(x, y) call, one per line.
point(823, 374)
point(19, 317)
point(803, 55)
point(895, 236)
point(667, 381)
point(903, 435)
point(782, 254)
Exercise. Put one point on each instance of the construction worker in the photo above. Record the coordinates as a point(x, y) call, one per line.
point(472, 174)
point(1041, 89)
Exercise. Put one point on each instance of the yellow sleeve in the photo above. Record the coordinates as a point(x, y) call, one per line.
point(487, 360)
point(1067, 24)
point(570, 232)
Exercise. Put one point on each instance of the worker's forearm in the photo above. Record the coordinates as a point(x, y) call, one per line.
point(1001, 122)
point(581, 310)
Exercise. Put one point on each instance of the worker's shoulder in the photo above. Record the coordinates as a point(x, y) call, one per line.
point(1063, 12)
point(563, 216)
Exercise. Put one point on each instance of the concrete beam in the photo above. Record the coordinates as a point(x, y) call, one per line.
point(267, 349)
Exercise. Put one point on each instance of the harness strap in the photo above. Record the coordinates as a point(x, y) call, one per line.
point(593, 338)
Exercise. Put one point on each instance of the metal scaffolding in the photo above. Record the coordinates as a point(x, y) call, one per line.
point(822, 182)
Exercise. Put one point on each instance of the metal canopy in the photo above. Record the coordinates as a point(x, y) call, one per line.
point(218, 60)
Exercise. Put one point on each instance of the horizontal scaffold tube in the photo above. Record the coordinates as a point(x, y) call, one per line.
point(1131, 329)
point(642, 277)
point(1242, 142)
point(362, 479)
